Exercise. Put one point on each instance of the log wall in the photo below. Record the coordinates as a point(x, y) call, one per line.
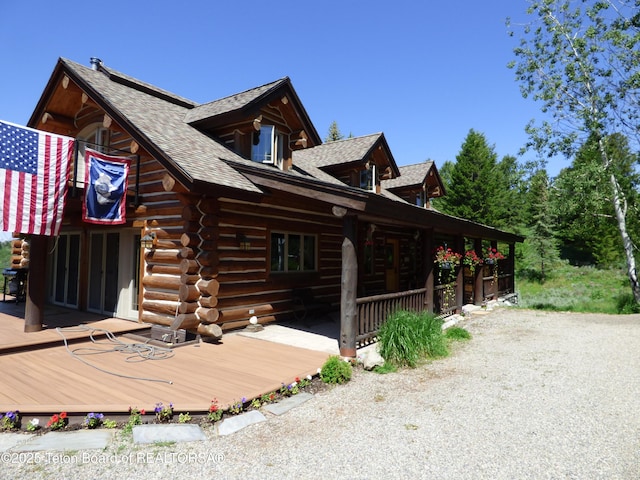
point(247, 287)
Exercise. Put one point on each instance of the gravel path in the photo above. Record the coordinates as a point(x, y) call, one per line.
point(532, 396)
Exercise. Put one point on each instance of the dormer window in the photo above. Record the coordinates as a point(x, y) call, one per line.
point(268, 146)
point(421, 198)
point(367, 178)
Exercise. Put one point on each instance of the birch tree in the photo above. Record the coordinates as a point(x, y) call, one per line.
point(581, 59)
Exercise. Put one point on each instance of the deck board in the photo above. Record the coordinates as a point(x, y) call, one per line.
point(49, 380)
point(42, 377)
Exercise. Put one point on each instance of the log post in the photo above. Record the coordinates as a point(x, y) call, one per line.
point(210, 330)
point(349, 289)
point(428, 267)
point(478, 282)
point(511, 267)
point(36, 285)
point(460, 276)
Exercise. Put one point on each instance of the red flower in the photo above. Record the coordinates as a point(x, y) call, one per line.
point(297, 380)
point(63, 415)
point(55, 418)
point(142, 412)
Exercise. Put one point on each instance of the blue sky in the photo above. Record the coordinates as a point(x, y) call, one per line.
point(424, 73)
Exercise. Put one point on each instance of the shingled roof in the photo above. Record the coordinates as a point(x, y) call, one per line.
point(410, 175)
point(158, 119)
point(232, 103)
point(339, 152)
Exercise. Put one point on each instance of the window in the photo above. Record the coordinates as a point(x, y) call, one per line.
point(293, 252)
point(367, 178)
point(94, 137)
point(268, 146)
point(421, 198)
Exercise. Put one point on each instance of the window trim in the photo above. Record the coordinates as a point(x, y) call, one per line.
point(301, 252)
point(277, 142)
point(369, 171)
point(97, 137)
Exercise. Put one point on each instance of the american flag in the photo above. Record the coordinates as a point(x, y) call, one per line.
point(34, 171)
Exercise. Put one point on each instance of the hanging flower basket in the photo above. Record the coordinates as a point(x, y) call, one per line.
point(492, 256)
point(447, 256)
point(471, 260)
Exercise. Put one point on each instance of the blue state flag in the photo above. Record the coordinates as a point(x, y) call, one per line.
point(106, 179)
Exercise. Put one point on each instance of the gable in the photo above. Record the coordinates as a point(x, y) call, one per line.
point(345, 157)
point(415, 178)
point(151, 116)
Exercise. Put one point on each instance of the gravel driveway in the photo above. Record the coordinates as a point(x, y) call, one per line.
point(532, 396)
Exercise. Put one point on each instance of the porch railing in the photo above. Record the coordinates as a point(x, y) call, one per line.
point(445, 299)
point(374, 310)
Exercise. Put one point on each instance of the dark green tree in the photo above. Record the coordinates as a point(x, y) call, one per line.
point(586, 220)
point(474, 180)
point(509, 196)
point(581, 59)
point(541, 243)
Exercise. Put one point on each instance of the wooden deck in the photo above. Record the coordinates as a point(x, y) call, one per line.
point(42, 376)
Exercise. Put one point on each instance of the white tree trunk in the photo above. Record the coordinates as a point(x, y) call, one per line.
point(620, 208)
point(621, 214)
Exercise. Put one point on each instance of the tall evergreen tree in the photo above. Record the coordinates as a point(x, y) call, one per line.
point(471, 193)
point(509, 196)
point(543, 250)
point(334, 133)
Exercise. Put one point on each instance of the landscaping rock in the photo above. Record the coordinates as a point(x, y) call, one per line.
point(154, 433)
point(233, 424)
point(288, 403)
point(470, 309)
point(371, 359)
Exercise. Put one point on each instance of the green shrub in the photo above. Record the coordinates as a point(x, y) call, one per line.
point(336, 370)
point(626, 304)
point(386, 368)
point(457, 333)
point(408, 337)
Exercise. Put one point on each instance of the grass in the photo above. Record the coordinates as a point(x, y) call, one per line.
point(407, 338)
point(578, 289)
point(457, 334)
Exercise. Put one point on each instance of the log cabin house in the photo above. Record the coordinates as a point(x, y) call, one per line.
point(245, 207)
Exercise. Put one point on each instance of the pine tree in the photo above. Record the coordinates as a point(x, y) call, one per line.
point(471, 193)
point(543, 249)
point(334, 133)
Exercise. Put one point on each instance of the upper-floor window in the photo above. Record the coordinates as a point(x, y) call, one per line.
point(421, 198)
point(367, 178)
point(95, 137)
point(268, 146)
point(293, 252)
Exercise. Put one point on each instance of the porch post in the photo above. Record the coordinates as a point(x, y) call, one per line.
point(428, 266)
point(478, 288)
point(460, 276)
point(36, 284)
point(511, 265)
point(349, 284)
point(494, 284)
